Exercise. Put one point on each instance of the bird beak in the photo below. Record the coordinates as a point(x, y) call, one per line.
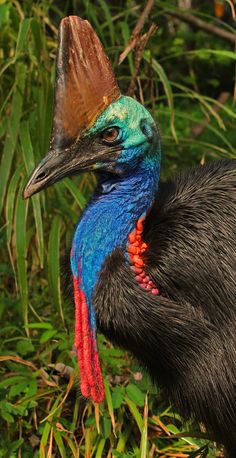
point(41, 177)
point(85, 86)
point(51, 169)
point(70, 161)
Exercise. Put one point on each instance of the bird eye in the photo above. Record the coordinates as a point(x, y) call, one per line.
point(111, 134)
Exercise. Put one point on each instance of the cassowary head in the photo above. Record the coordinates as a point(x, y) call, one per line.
point(94, 126)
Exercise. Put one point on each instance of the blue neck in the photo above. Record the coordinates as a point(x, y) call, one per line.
point(109, 219)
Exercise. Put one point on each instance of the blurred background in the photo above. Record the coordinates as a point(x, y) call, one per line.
point(176, 57)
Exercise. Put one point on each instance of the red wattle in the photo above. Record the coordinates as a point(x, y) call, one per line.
point(85, 343)
point(136, 247)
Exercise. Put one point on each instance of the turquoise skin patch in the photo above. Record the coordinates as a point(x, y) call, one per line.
point(127, 114)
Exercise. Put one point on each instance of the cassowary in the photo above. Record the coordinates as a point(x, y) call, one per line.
point(154, 265)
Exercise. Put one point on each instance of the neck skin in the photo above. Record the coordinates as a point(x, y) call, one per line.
point(108, 220)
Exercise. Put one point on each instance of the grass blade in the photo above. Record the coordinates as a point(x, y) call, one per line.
point(12, 129)
point(126, 36)
point(22, 36)
point(44, 440)
point(144, 434)
point(100, 448)
point(77, 195)
point(54, 263)
point(135, 413)
point(110, 405)
point(123, 438)
point(88, 441)
point(109, 21)
point(21, 253)
point(59, 442)
point(168, 90)
point(9, 209)
point(28, 156)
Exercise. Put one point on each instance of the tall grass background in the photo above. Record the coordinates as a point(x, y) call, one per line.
point(181, 78)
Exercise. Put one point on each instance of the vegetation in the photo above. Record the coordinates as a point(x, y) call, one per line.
point(186, 77)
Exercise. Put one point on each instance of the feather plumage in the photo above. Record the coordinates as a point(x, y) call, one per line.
point(186, 336)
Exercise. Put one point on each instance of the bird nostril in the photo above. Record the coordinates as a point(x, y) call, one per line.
point(40, 176)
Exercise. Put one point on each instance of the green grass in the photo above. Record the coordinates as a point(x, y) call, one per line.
point(41, 411)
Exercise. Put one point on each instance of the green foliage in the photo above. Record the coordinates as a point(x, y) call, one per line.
point(182, 73)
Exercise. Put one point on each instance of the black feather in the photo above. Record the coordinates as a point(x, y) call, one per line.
point(186, 337)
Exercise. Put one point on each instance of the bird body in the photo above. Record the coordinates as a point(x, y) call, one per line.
point(185, 336)
point(153, 265)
